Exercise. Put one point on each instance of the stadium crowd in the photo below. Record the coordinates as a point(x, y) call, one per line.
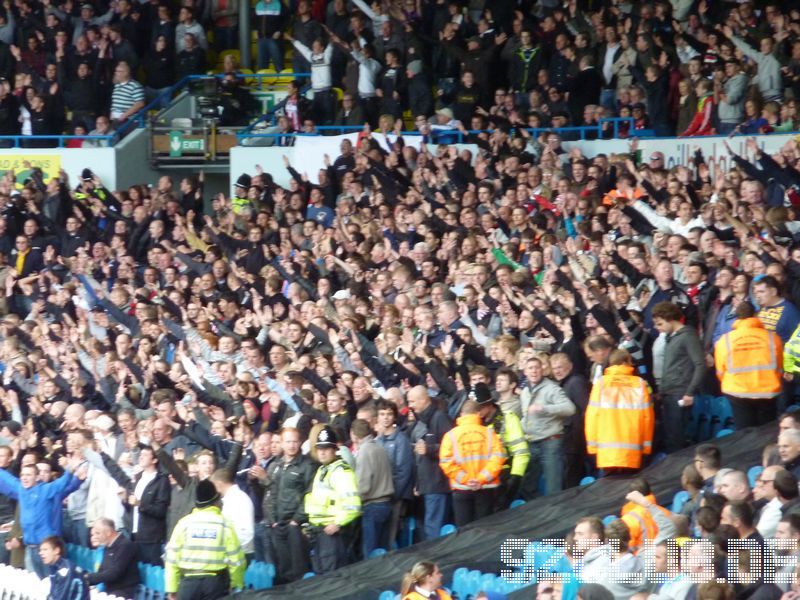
point(425, 331)
point(686, 68)
point(439, 334)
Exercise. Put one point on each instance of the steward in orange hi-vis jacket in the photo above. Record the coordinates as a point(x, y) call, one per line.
point(472, 456)
point(619, 420)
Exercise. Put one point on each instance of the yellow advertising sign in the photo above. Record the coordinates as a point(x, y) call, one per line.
point(50, 164)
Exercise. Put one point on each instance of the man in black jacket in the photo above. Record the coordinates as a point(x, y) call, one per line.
point(25, 259)
point(148, 501)
point(81, 93)
point(682, 373)
point(426, 435)
point(576, 387)
point(9, 113)
point(285, 483)
point(117, 572)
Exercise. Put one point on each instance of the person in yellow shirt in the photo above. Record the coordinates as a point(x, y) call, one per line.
point(333, 506)
point(204, 557)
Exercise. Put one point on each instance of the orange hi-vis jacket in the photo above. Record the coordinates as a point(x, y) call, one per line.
point(619, 420)
point(640, 522)
point(749, 360)
point(472, 451)
point(415, 595)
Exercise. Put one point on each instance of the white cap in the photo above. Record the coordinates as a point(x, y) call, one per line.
point(342, 295)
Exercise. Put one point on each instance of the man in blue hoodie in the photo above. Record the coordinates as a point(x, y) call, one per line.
point(39, 506)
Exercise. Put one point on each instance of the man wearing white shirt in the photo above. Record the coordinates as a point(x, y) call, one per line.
point(236, 507)
point(685, 222)
point(319, 56)
point(771, 513)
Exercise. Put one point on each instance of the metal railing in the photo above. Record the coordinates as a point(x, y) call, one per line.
point(583, 132)
point(139, 120)
point(21, 141)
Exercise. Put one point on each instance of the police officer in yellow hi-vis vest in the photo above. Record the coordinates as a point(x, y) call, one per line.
point(509, 428)
point(204, 557)
point(332, 505)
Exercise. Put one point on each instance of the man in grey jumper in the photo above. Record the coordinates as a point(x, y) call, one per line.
point(768, 79)
point(375, 486)
point(683, 369)
point(731, 99)
point(545, 412)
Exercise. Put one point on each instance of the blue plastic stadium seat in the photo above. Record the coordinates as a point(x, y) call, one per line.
point(678, 500)
point(724, 432)
point(459, 586)
point(309, 575)
point(517, 502)
point(721, 414)
point(249, 577)
point(753, 473)
point(406, 537)
point(387, 595)
point(538, 554)
point(607, 519)
point(473, 582)
point(587, 480)
point(378, 552)
point(487, 582)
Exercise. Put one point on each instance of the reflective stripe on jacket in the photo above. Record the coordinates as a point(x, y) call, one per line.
point(509, 427)
point(791, 353)
point(748, 360)
point(204, 541)
point(640, 522)
point(619, 420)
point(334, 495)
point(472, 451)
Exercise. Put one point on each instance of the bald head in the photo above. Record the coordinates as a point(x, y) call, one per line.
point(395, 395)
point(418, 398)
point(734, 486)
point(74, 413)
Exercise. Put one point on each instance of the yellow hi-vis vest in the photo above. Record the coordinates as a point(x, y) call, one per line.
point(508, 426)
point(334, 495)
point(203, 542)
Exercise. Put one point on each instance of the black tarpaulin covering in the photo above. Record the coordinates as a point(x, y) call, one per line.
point(477, 546)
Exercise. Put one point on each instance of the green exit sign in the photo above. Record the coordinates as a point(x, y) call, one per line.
point(178, 145)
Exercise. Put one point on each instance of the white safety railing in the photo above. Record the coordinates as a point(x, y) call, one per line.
point(18, 584)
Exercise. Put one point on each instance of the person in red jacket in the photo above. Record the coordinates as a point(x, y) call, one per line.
point(702, 124)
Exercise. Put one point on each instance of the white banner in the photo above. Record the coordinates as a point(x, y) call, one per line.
point(679, 151)
point(307, 155)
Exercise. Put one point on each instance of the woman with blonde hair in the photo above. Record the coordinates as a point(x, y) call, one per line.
point(422, 581)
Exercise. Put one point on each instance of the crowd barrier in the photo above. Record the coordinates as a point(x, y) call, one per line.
point(18, 584)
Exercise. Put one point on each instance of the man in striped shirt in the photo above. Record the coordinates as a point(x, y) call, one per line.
point(127, 98)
